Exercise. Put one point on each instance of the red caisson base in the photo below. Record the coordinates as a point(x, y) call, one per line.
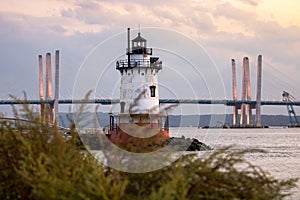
point(138, 139)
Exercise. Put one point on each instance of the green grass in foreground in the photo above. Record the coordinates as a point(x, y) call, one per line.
point(37, 162)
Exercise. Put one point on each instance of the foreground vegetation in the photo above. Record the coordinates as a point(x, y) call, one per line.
point(38, 162)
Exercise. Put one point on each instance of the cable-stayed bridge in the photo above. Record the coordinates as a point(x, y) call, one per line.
point(161, 101)
point(49, 102)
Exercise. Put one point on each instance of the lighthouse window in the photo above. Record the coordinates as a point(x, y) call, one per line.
point(152, 90)
point(122, 107)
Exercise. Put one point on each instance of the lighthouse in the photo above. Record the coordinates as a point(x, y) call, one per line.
point(139, 98)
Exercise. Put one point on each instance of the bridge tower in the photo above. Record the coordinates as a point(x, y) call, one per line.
point(49, 111)
point(246, 109)
point(139, 99)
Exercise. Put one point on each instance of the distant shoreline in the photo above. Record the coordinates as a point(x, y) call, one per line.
point(195, 120)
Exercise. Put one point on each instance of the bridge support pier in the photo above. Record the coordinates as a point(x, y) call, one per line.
point(244, 91)
point(234, 92)
point(258, 92)
point(246, 109)
point(49, 111)
point(41, 87)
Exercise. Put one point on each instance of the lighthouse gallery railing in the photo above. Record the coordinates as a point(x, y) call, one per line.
point(123, 64)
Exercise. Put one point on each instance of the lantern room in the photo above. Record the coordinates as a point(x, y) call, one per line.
point(139, 46)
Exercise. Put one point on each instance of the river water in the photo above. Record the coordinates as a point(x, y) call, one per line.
point(282, 159)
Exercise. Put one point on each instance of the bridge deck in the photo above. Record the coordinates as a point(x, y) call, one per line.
point(162, 101)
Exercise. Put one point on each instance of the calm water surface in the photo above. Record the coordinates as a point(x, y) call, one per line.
point(283, 145)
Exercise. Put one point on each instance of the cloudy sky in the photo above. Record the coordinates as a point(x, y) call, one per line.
point(224, 28)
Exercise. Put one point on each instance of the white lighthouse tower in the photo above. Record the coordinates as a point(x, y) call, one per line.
point(139, 100)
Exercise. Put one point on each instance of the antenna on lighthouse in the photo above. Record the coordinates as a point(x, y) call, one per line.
point(128, 45)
